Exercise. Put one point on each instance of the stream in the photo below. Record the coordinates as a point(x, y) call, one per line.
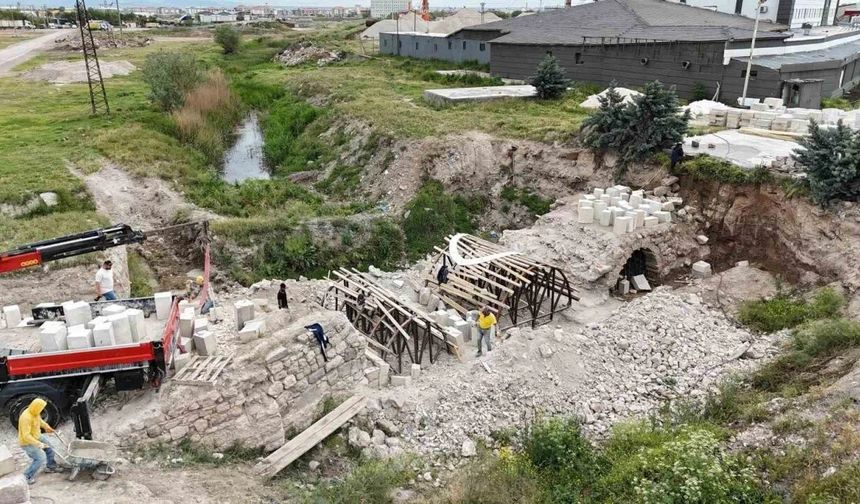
point(244, 161)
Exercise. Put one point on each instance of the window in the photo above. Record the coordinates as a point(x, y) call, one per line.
point(385, 43)
point(435, 47)
point(739, 6)
point(753, 74)
point(482, 47)
point(450, 45)
point(577, 58)
point(464, 45)
point(416, 46)
point(399, 44)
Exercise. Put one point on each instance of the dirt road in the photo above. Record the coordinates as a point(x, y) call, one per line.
point(16, 54)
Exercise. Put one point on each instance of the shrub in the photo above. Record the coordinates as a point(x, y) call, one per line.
point(283, 125)
point(699, 91)
point(840, 103)
point(535, 203)
point(549, 78)
point(228, 38)
point(838, 488)
point(170, 76)
point(506, 479)
point(705, 167)
point(636, 130)
point(832, 160)
point(558, 449)
point(434, 214)
point(785, 311)
point(208, 116)
point(371, 481)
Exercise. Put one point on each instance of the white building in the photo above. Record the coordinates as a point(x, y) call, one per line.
point(381, 9)
point(217, 17)
point(793, 13)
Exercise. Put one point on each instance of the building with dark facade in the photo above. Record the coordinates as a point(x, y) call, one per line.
point(633, 42)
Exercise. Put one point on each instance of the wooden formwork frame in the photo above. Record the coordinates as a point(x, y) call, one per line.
point(392, 328)
point(522, 289)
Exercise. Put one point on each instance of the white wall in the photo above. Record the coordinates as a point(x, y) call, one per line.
point(381, 9)
point(804, 10)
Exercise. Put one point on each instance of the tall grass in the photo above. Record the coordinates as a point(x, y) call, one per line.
point(207, 117)
point(786, 311)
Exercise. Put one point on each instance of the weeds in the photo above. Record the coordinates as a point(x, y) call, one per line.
point(434, 214)
point(207, 117)
point(785, 311)
point(536, 204)
point(705, 167)
point(371, 481)
point(139, 276)
point(187, 453)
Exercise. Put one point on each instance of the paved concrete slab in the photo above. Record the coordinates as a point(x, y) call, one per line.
point(739, 148)
point(477, 94)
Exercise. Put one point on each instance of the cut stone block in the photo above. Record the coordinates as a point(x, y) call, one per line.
point(640, 283)
point(113, 309)
point(651, 221)
point(244, 312)
point(136, 324)
point(180, 360)
point(440, 317)
point(663, 216)
point(702, 269)
point(635, 200)
point(52, 336)
point(251, 331)
point(103, 335)
point(606, 199)
point(621, 225)
point(12, 314)
point(416, 371)
point(614, 200)
point(400, 381)
point(14, 489)
point(187, 344)
point(585, 203)
point(612, 192)
point(163, 302)
point(598, 207)
point(201, 324)
point(96, 321)
point(384, 371)
point(454, 337)
point(424, 296)
point(372, 374)
point(186, 324)
point(598, 192)
point(640, 218)
point(625, 196)
point(623, 286)
point(585, 215)
point(205, 343)
point(606, 218)
point(121, 329)
point(7, 463)
point(77, 312)
point(465, 328)
point(81, 339)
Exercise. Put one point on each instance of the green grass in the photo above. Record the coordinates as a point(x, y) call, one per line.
point(187, 453)
point(536, 204)
point(707, 168)
point(139, 275)
point(785, 311)
point(370, 481)
point(839, 103)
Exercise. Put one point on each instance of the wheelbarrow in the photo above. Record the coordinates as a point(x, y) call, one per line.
point(86, 455)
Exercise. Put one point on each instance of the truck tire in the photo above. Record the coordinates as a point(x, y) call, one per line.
point(51, 414)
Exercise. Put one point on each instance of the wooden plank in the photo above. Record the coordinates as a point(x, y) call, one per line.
point(310, 437)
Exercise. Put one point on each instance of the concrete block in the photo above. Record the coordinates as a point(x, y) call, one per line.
point(424, 296)
point(136, 324)
point(371, 374)
point(244, 312)
point(625, 196)
point(201, 324)
point(384, 371)
point(14, 489)
point(606, 199)
point(733, 122)
point(651, 221)
point(621, 225)
point(416, 371)
point(96, 321)
point(635, 200)
point(613, 200)
point(663, 216)
point(598, 207)
point(640, 217)
point(585, 203)
point(454, 337)
point(799, 126)
point(400, 381)
point(622, 188)
point(187, 344)
point(78, 340)
point(103, 335)
point(77, 312)
point(773, 102)
point(465, 328)
point(186, 324)
point(440, 317)
point(205, 343)
point(180, 360)
point(52, 336)
point(598, 192)
point(113, 309)
point(214, 314)
point(631, 226)
point(605, 218)
point(623, 286)
point(702, 269)
point(612, 192)
point(830, 115)
point(585, 215)
point(121, 329)
point(163, 302)
point(640, 283)
point(667, 206)
point(12, 315)
point(7, 463)
point(250, 332)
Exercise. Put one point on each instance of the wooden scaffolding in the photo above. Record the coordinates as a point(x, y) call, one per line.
point(394, 330)
point(520, 289)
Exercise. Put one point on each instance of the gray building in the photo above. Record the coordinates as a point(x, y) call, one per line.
point(455, 47)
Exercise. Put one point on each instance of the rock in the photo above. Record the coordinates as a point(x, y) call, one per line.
point(313, 465)
point(388, 427)
point(702, 239)
point(468, 449)
point(545, 351)
point(50, 199)
point(427, 476)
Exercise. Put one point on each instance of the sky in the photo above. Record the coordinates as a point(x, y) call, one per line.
point(434, 4)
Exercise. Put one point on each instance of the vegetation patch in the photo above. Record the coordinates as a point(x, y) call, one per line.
point(369, 481)
point(536, 204)
point(707, 168)
point(785, 311)
point(832, 160)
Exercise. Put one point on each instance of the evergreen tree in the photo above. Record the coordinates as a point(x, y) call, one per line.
point(549, 79)
point(832, 160)
point(606, 128)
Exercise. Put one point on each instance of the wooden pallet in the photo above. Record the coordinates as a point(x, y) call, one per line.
point(310, 437)
point(202, 371)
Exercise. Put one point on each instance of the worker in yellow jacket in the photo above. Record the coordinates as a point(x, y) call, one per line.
point(486, 321)
point(34, 443)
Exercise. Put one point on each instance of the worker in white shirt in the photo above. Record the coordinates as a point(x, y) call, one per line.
point(104, 282)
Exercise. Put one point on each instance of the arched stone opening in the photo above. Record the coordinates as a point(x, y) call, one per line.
point(643, 262)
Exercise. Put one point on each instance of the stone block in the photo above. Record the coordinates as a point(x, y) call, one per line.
point(585, 215)
point(598, 192)
point(96, 321)
point(598, 207)
point(773, 102)
point(830, 115)
point(372, 374)
point(137, 324)
point(400, 381)
point(424, 296)
point(613, 200)
point(757, 107)
point(112, 309)
point(621, 225)
point(384, 371)
point(415, 371)
point(465, 328)
point(187, 344)
point(733, 122)
point(103, 334)
point(244, 312)
point(180, 360)
point(205, 343)
point(702, 239)
point(7, 462)
point(605, 218)
point(186, 324)
point(163, 302)
point(52, 336)
point(612, 192)
point(663, 216)
point(585, 203)
point(635, 200)
point(14, 489)
point(606, 199)
point(12, 315)
point(78, 339)
point(702, 269)
point(640, 283)
point(640, 217)
point(454, 337)
point(623, 286)
point(77, 312)
point(651, 221)
point(251, 331)
point(799, 126)
point(440, 317)
point(121, 329)
point(201, 324)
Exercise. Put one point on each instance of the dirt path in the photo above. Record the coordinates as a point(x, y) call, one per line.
point(16, 54)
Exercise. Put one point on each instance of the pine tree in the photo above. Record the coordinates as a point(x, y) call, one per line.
point(605, 128)
point(832, 160)
point(549, 79)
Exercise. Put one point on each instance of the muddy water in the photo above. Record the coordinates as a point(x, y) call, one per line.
point(244, 161)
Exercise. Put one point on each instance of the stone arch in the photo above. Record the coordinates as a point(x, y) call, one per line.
point(643, 261)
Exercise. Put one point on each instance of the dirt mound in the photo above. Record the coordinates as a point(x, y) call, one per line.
point(67, 72)
point(103, 39)
point(304, 52)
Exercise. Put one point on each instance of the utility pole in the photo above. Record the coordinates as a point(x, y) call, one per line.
point(482, 12)
point(119, 16)
point(752, 49)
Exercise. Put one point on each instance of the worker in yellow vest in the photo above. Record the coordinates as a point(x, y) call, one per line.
point(486, 322)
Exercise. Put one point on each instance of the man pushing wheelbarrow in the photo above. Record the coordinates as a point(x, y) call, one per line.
point(33, 442)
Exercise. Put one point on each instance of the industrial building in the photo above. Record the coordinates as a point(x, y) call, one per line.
point(792, 13)
point(381, 9)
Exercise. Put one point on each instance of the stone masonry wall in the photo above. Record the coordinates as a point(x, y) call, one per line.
point(272, 386)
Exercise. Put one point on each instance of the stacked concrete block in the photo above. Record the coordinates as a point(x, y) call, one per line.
point(101, 319)
point(136, 324)
point(77, 312)
point(640, 217)
point(52, 336)
point(103, 335)
point(186, 323)
point(400, 381)
point(440, 317)
point(585, 215)
point(746, 118)
point(621, 225)
point(163, 302)
point(598, 192)
point(244, 312)
point(7, 462)
point(113, 309)
point(465, 328)
point(781, 123)
point(454, 337)
point(121, 329)
point(598, 207)
point(831, 115)
point(14, 489)
point(180, 360)
point(717, 117)
point(12, 315)
point(606, 217)
point(759, 106)
point(205, 343)
point(651, 221)
point(799, 126)
point(415, 371)
point(79, 338)
point(773, 102)
point(702, 269)
point(733, 118)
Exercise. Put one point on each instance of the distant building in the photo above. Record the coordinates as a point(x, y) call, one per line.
point(381, 9)
point(792, 13)
point(207, 17)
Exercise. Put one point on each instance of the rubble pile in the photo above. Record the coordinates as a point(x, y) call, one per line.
point(304, 52)
point(658, 347)
point(72, 41)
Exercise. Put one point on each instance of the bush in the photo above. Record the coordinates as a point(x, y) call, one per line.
point(785, 311)
point(700, 91)
point(636, 130)
point(536, 204)
point(705, 167)
point(832, 160)
point(282, 127)
point(549, 78)
point(228, 38)
point(370, 482)
point(507, 479)
point(838, 488)
point(840, 103)
point(208, 116)
point(434, 214)
point(170, 76)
